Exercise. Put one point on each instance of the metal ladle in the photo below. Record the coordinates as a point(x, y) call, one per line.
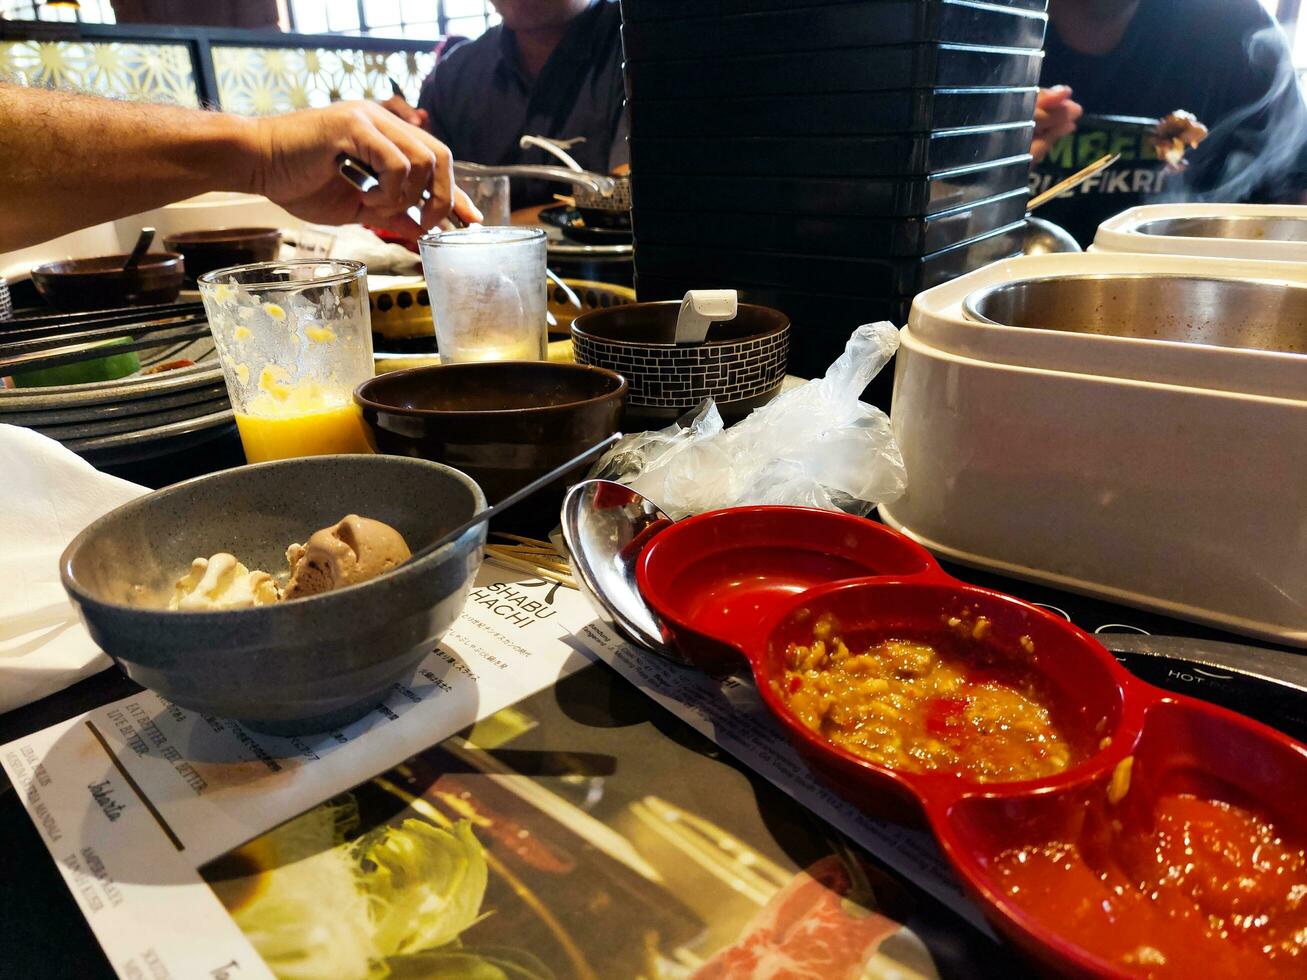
point(606, 525)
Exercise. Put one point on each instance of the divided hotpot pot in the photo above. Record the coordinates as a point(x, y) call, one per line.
point(733, 589)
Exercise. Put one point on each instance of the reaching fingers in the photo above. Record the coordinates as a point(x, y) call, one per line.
point(1060, 127)
point(465, 209)
point(396, 105)
point(431, 182)
point(368, 143)
point(1047, 103)
point(1053, 123)
point(440, 183)
point(426, 162)
point(413, 169)
point(445, 197)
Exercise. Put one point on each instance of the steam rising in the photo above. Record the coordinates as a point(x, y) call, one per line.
point(1260, 150)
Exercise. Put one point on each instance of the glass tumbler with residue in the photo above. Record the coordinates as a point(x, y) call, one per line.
point(488, 295)
point(294, 339)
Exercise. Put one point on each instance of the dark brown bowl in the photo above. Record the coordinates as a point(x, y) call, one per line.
point(101, 283)
point(741, 364)
point(219, 248)
point(504, 423)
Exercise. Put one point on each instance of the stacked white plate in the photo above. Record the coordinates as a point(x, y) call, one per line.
point(143, 416)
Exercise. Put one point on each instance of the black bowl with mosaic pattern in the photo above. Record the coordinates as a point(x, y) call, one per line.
point(741, 364)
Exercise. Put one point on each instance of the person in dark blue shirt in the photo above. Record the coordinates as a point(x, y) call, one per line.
point(553, 68)
point(1127, 63)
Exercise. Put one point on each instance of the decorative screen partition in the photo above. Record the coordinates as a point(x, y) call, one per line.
point(126, 70)
point(249, 72)
point(256, 81)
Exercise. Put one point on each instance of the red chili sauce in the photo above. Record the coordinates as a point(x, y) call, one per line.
point(1214, 890)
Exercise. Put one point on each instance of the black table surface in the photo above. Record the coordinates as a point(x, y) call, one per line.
point(42, 932)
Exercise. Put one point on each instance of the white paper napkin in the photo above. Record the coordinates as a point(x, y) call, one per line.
point(47, 495)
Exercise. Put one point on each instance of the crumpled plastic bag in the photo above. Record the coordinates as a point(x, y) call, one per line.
point(816, 445)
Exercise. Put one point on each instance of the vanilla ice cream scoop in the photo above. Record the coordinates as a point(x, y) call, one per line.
point(351, 551)
point(222, 582)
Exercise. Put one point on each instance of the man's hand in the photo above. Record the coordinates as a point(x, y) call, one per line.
point(1055, 117)
point(295, 166)
point(406, 112)
point(145, 156)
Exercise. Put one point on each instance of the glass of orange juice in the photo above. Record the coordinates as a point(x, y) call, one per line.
point(294, 339)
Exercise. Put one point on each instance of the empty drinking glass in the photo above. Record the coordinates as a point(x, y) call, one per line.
point(489, 193)
point(487, 288)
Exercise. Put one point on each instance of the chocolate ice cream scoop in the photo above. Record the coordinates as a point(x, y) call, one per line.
point(351, 551)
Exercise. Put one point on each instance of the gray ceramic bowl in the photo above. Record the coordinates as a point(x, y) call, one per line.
point(295, 667)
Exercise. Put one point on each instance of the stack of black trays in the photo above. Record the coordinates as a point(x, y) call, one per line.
point(830, 159)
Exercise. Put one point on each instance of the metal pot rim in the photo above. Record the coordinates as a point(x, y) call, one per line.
point(972, 301)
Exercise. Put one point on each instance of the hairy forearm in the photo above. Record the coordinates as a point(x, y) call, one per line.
point(68, 161)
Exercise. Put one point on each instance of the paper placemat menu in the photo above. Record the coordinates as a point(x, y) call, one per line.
point(132, 797)
point(733, 715)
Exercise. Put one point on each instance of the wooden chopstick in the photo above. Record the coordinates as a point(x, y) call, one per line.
point(1102, 163)
point(532, 542)
point(518, 549)
point(551, 560)
point(532, 545)
point(526, 566)
point(561, 567)
point(532, 555)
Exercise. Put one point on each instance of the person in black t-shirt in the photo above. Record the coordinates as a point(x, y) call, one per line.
point(1127, 63)
point(553, 68)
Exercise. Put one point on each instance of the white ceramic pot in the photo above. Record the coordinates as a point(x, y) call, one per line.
point(1265, 232)
point(1166, 475)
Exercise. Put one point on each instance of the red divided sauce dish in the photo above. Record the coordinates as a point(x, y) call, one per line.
point(1168, 840)
point(715, 579)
